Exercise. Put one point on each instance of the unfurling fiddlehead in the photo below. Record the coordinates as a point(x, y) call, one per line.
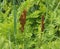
point(23, 20)
point(42, 23)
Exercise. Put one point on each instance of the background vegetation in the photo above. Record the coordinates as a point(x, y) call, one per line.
point(11, 36)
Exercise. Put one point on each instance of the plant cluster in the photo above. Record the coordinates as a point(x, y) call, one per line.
point(11, 36)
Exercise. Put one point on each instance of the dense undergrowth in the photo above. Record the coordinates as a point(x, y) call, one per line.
point(11, 36)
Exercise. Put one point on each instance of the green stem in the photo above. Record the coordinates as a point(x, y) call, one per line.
point(15, 23)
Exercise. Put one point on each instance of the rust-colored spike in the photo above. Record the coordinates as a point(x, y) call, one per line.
point(42, 23)
point(23, 20)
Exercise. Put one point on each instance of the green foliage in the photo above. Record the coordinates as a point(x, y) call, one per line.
point(32, 37)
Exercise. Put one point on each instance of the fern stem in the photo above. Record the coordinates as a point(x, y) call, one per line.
point(15, 24)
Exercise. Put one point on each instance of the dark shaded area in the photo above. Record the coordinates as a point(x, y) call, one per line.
point(33, 36)
point(1, 0)
point(54, 39)
point(3, 10)
point(16, 2)
point(57, 33)
point(34, 8)
point(32, 47)
point(8, 1)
